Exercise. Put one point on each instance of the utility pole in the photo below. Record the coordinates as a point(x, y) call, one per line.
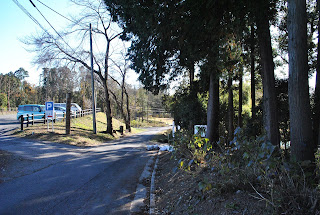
point(68, 107)
point(92, 81)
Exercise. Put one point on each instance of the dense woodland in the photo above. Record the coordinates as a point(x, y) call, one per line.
point(221, 55)
point(222, 42)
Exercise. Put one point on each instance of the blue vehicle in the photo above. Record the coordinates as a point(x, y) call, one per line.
point(37, 110)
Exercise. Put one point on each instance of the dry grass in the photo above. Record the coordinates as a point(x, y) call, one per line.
point(152, 122)
point(7, 112)
point(81, 131)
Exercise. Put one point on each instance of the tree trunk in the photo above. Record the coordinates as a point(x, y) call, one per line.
point(240, 100)
point(316, 120)
point(128, 122)
point(268, 81)
point(301, 136)
point(108, 110)
point(230, 109)
point(213, 109)
point(191, 74)
point(105, 83)
point(253, 82)
point(8, 96)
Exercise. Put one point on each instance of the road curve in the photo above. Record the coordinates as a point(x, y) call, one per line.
point(61, 179)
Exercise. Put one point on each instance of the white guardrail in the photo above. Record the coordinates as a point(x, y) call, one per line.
point(32, 118)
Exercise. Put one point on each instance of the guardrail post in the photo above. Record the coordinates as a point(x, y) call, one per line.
point(21, 119)
point(27, 120)
point(32, 117)
point(68, 106)
point(44, 118)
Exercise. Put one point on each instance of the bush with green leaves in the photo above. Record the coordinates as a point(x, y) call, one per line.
point(3, 100)
point(253, 165)
point(287, 187)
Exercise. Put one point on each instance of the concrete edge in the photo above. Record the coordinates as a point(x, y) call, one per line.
point(152, 186)
point(141, 190)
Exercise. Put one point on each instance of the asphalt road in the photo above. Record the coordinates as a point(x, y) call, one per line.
point(59, 179)
point(8, 122)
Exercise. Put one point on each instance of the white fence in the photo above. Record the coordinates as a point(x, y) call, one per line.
point(32, 118)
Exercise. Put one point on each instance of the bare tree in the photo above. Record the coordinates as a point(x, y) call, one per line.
point(65, 49)
point(124, 97)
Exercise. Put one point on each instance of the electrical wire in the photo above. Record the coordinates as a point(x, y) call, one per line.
point(70, 20)
point(56, 12)
point(29, 15)
point(51, 25)
point(36, 21)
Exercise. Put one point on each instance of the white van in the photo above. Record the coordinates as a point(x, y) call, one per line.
point(74, 107)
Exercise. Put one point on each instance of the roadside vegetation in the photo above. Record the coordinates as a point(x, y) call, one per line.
point(230, 175)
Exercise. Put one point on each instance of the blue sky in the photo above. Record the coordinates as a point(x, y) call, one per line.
point(15, 25)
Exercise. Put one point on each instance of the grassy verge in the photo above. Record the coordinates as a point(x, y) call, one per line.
point(162, 137)
point(152, 122)
point(81, 131)
point(8, 112)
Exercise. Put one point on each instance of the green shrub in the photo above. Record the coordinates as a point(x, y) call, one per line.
point(254, 165)
point(3, 100)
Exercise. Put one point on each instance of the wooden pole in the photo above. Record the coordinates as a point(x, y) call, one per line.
point(68, 97)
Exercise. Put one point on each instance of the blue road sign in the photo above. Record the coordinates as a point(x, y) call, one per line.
point(49, 109)
point(49, 106)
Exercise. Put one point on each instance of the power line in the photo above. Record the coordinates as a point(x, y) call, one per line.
point(29, 15)
point(74, 52)
point(50, 24)
point(74, 22)
point(57, 13)
point(36, 21)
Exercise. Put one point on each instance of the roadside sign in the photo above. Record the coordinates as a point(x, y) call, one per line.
point(49, 109)
point(200, 130)
point(50, 113)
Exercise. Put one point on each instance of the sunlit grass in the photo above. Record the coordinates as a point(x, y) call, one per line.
point(81, 131)
point(152, 122)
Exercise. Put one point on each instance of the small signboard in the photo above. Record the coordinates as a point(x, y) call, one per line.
point(50, 113)
point(200, 130)
point(49, 109)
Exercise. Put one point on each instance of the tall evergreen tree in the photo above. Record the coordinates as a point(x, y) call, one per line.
point(262, 18)
point(301, 136)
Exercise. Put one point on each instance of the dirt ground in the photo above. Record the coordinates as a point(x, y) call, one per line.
point(178, 192)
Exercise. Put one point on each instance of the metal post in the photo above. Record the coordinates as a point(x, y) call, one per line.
point(22, 119)
point(53, 120)
point(92, 80)
point(27, 120)
point(68, 106)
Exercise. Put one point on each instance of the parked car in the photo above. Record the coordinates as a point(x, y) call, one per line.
point(60, 111)
point(74, 107)
point(35, 109)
